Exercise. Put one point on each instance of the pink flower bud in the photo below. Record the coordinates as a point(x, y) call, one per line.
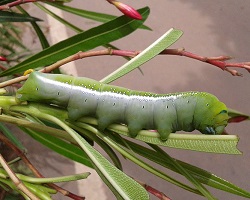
point(3, 58)
point(237, 119)
point(126, 10)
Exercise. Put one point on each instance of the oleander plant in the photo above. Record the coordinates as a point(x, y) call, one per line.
point(70, 115)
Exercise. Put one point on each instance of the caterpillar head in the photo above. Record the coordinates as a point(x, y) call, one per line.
point(30, 91)
point(213, 116)
point(40, 87)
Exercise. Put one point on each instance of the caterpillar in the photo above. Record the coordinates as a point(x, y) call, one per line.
point(166, 113)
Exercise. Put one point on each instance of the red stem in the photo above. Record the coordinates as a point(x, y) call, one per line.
point(155, 192)
point(18, 2)
point(216, 61)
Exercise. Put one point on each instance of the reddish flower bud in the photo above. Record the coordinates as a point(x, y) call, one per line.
point(126, 10)
point(3, 58)
point(237, 119)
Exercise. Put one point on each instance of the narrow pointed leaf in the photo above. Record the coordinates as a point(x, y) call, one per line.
point(150, 52)
point(85, 41)
point(99, 17)
point(43, 40)
point(68, 150)
point(59, 19)
point(203, 176)
point(6, 16)
point(184, 172)
point(205, 143)
point(11, 136)
point(123, 186)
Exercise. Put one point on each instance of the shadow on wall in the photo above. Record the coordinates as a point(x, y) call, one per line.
point(229, 28)
point(229, 23)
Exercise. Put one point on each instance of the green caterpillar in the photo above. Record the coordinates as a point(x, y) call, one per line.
point(166, 113)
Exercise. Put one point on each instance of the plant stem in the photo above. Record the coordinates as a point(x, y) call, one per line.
point(16, 181)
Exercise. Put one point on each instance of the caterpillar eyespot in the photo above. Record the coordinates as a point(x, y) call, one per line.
point(165, 113)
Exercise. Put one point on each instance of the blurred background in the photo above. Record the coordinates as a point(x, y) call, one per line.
point(211, 28)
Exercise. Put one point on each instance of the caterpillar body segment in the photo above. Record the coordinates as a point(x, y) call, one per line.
point(166, 113)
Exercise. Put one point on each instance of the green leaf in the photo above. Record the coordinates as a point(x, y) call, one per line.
point(44, 42)
point(226, 144)
point(68, 150)
point(122, 185)
point(11, 136)
point(184, 172)
point(205, 143)
point(8, 37)
point(6, 16)
point(100, 142)
point(59, 19)
point(131, 156)
point(203, 176)
point(3, 2)
point(85, 41)
point(99, 17)
point(68, 24)
point(150, 52)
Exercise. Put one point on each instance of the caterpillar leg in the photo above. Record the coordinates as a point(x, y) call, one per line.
point(210, 130)
point(134, 129)
point(164, 134)
point(104, 122)
point(74, 113)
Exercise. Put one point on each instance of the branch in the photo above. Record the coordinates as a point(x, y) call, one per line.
point(216, 61)
point(18, 183)
point(16, 3)
point(71, 58)
point(35, 171)
point(154, 191)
